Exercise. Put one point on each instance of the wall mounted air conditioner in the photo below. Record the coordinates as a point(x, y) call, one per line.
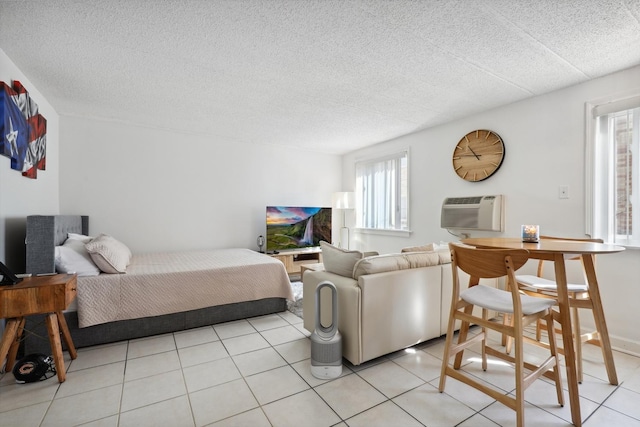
point(473, 213)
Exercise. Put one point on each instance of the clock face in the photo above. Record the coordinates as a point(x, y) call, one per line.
point(478, 155)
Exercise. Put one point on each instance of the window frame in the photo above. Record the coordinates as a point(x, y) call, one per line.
point(379, 158)
point(600, 173)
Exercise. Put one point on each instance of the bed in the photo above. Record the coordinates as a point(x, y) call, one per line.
point(159, 293)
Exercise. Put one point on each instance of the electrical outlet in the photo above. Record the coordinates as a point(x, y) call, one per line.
point(563, 192)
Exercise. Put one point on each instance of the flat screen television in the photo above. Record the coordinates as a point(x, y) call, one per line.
point(295, 227)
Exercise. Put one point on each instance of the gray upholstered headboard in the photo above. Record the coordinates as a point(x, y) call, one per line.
point(44, 233)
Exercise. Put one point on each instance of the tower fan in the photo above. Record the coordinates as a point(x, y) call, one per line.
point(326, 342)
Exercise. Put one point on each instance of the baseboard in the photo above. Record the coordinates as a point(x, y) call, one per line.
point(618, 343)
point(625, 345)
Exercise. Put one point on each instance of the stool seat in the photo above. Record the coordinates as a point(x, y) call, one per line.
point(500, 301)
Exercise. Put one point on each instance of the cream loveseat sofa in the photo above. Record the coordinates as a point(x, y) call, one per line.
point(385, 303)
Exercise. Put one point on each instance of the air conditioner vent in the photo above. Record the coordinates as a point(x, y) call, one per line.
point(472, 213)
point(463, 200)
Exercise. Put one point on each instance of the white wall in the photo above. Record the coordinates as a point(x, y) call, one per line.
point(21, 196)
point(158, 190)
point(545, 142)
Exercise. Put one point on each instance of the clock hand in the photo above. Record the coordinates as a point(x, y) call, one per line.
point(474, 153)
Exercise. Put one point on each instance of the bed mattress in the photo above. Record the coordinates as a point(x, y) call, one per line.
point(163, 283)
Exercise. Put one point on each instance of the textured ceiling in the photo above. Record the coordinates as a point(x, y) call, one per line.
point(327, 76)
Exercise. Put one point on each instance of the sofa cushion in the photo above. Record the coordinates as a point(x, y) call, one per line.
point(380, 264)
point(401, 261)
point(442, 249)
point(422, 259)
point(445, 256)
point(424, 248)
point(339, 261)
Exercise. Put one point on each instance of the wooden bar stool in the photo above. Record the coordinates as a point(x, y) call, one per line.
point(524, 310)
point(579, 297)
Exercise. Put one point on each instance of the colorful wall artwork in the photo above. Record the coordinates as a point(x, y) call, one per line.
point(23, 131)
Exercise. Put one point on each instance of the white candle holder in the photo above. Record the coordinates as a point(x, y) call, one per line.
point(530, 233)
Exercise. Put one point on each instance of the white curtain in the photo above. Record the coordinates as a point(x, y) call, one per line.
point(379, 192)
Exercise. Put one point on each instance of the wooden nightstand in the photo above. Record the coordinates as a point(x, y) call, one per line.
point(37, 295)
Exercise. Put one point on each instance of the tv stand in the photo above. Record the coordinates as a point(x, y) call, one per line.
point(293, 259)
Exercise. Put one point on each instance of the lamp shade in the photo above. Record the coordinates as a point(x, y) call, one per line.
point(344, 200)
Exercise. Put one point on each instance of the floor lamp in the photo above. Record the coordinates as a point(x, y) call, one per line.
point(344, 200)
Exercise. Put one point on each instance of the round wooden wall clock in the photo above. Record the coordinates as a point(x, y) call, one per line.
point(478, 155)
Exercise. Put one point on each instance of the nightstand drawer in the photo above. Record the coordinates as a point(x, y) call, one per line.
point(71, 292)
point(34, 295)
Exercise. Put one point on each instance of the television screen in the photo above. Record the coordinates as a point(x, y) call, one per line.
point(294, 227)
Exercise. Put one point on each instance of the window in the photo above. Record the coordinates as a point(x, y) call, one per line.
point(613, 158)
point(382, 195)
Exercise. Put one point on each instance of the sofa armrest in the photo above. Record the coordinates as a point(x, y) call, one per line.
point(349, 311)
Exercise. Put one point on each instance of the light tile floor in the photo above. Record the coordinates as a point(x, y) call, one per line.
point(256, 372)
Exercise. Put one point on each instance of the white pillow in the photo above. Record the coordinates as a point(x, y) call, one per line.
point(72, 257)
point(339, 261)
point(81, 237)
point(109, 254)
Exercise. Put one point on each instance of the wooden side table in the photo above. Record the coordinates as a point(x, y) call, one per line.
point(38, 295)
point(294, 259)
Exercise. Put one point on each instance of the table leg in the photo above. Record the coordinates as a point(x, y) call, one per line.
point(56, 347)
point(598, 315)
point(66, 335)
point(567, 338)
point(8, 338)
point(13, 350)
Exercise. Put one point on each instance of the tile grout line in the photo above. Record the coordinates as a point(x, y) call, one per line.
point(391, 358)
